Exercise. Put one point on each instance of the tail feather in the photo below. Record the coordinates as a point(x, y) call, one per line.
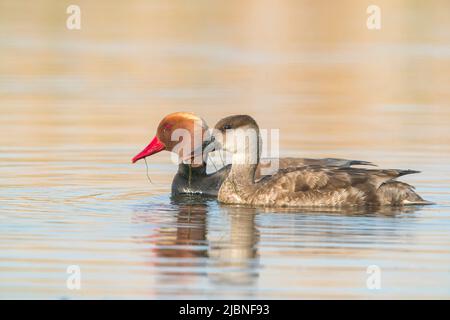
point(399, 193)
point(405, 172)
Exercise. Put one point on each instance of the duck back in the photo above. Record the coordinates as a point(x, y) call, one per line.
point(313, 186)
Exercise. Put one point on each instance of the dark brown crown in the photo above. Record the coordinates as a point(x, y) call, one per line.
point(235, 122)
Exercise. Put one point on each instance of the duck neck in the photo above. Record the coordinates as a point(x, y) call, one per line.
point(244, 165)
point(188, 171)
point(243, 174)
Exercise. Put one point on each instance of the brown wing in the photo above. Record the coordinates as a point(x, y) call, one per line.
point(265, 166)
point(320, 177)
point(319, 185)
point(332, 162)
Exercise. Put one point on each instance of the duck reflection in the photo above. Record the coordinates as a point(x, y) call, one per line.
point(381, 211)
point(186, 248)
point(180, 244)
point(233, 250)
point(196, 242)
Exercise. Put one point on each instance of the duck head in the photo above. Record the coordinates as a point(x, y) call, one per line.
point(239, 135)
point(182, 133)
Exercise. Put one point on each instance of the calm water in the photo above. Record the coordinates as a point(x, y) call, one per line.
point(77, 105)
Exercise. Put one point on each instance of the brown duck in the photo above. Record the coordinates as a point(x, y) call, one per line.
point(306, 186)
point(192, 177)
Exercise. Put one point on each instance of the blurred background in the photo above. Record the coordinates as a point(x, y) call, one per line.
point(310, 68)
point(77, 105)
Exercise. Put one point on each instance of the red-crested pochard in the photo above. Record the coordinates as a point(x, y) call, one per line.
point(192, 177)
point(307, 186)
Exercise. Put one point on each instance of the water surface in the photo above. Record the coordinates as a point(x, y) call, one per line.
point(76, 106)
